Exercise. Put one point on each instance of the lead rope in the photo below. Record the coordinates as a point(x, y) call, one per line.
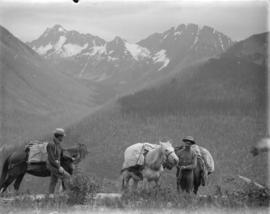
point(141, 153)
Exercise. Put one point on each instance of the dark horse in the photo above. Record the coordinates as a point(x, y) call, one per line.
point(15, 167)
point(189, 180)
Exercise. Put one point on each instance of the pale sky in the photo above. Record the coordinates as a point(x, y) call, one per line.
point(132, 20)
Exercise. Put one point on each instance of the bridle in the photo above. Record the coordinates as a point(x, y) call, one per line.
point(168, 155)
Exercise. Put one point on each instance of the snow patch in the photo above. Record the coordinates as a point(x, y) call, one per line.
point(42, 50)
point(112, 58)
point(196, 37)
point(177, 33)
point(98, 50)
point(72, 49)
point(83, 69)
point(221, 42)
point(165, 36)
point(60, 43)
point(195, 41)
point(137, 51)
point(161, 57)
point(60, 29)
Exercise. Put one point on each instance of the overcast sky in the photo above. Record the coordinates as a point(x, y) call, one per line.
point(134, 20)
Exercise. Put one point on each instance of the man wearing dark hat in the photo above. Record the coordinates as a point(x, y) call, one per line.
point(187, 162)
point(54, 151)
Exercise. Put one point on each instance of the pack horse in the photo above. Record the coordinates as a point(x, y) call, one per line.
point(144, 162)
point(31, 159)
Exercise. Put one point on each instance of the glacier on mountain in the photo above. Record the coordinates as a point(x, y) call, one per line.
point(59, 44)
point(220, 40)
point(72, 49)
point(42, 50)
point(137, 51)
point(98, 50)
point(161, 57)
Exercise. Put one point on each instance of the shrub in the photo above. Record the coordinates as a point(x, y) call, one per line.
point(82, 187)
point(251, 196)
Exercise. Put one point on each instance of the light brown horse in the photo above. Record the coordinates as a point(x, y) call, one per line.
point(152, 168)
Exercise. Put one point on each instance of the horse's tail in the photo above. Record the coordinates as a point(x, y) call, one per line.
point(123, 183)
point(123, 177)
point(4, 171)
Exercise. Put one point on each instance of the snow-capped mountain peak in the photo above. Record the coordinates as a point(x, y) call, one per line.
point(58, 42)
point(189, 37)
point(59, 28)
point(95, 59)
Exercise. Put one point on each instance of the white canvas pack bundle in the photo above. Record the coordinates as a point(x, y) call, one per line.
point(206, 155)
point(37, 152)
point(134, 154)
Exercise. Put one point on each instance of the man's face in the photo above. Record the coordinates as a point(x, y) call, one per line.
point(60, 138)
point(187, 145)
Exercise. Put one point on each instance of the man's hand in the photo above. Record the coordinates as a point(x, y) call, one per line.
point(61, 170)
point(182, 167)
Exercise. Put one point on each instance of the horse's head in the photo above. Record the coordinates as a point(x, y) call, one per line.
point(171, 158)
point(78, 153)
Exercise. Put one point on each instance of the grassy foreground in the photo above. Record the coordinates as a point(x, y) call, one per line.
point(83, 198)
point(82, 210)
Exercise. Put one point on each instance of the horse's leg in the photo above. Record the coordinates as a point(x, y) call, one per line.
point(146, 184)
point(178, 185)
point(63, 186)
point(8, 181)
point(124, 180)
point(157, 183)
point(18, 181)
point(196, 188)
point(135, 184)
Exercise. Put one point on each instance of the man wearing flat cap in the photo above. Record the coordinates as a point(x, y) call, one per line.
point(55, 151)
point(187, 162)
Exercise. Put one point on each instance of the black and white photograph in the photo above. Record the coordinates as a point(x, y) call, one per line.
point(134, 106)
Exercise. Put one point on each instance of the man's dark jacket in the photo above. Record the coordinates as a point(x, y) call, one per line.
point(54, 154)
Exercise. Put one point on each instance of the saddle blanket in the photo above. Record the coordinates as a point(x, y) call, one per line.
point(134, 154)
point(206, 156)
point(37, 151)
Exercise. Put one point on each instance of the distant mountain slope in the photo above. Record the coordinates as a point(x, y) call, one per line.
point(221, 103)
point(125, 67)
point(34, 97)
point(235, 80)
point(225, 84)
point(253, 48)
